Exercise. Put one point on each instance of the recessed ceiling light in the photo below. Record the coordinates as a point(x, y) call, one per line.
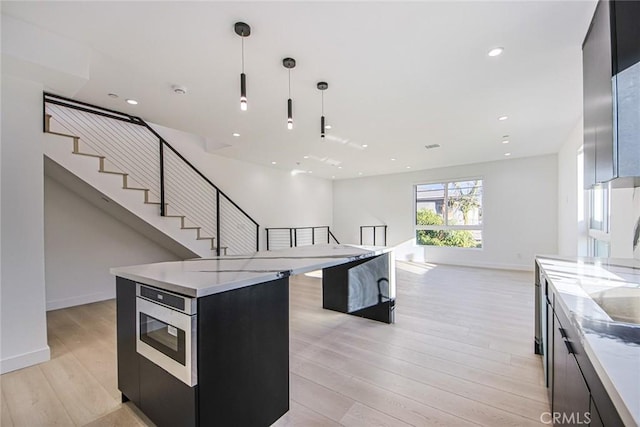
point(306, 157)
point(339, 167)
point(132, 102)
point(236, 134)
point(496, 51)
point(333, 177)
point(180, 90)
point(327, 126)
point(393, 160)
point(408, 167)
point(503, 118)
point(112, 95)
point(507, 154)
point(274, 163)
point(359, 173)
point(364, 145)
point(506, 141)
point(310, 172)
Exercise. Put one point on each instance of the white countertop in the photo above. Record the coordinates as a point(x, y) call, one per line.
point(207, 276)
point(612, 346)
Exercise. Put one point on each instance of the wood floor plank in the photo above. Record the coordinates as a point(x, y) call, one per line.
point(405, 409)
point(123, 415)
point(325, 401)
point(32, 401)
point(80, 393)
point(5, 415)
point(301, 416)
point(360, 415)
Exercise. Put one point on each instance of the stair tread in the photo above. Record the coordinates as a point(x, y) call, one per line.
point(89, 155)
point(114, 173)
point(190, 228)
point(63, 134)
point(136, 188)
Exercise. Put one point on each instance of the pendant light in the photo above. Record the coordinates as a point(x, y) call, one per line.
point(243, 30)
point(289, 63)
point(322, 86)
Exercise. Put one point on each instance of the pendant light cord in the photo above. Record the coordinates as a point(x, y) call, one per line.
point(289, 82)
point(242, 38)
point(322, 97)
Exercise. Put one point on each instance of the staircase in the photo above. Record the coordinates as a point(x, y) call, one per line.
point(125, 161)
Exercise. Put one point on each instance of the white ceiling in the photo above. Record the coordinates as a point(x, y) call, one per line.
point(401, 75)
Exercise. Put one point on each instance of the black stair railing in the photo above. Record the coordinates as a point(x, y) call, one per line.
point(373, 231)
point(291, 237)
point(130, 145)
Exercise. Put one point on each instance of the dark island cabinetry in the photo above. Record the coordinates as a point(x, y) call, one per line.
point(242, 360)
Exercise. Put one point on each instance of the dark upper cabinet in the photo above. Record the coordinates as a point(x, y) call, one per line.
point(627, 34)
point(611, 88)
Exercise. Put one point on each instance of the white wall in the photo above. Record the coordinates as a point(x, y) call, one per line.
point(636, 216)
point(24, 329)
point(519, 211)
point(572, 226)
point(81, 243)
point(271, 196)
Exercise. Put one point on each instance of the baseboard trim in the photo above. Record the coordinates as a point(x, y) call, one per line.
point(79, 300)
point(476, 264)
point(24, 360)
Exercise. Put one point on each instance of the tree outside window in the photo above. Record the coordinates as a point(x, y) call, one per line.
point(449, 214)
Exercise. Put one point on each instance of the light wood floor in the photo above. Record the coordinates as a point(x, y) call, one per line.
point(459, 354)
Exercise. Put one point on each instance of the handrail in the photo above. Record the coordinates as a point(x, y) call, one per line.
point(49, 98)
point(293, 234)
point(374, 227)
point(334, 237)
point(139, 121)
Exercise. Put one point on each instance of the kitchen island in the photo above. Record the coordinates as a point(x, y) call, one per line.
point(588, 333)
point(206, 341)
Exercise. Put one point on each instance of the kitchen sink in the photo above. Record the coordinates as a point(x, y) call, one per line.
point(622, 303)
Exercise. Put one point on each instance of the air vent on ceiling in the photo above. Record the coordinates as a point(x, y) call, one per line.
point(429, 147)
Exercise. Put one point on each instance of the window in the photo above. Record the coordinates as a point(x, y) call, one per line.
point(449, 214)
point(599, 233)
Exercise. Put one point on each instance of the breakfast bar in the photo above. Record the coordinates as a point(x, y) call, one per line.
point(206, 341)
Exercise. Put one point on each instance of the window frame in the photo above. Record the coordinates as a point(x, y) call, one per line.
point(599, 237)
point(446, 182)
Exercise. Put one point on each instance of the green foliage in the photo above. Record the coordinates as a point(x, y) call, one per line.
point(456, 238)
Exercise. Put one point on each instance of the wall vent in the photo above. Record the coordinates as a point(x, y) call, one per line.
point(429, 147)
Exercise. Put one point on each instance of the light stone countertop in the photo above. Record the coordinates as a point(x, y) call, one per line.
point(613, 346)
point(206, 276)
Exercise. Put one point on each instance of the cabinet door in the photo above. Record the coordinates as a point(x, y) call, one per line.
point(571, 396)
point(596, 421)
point(598, 99)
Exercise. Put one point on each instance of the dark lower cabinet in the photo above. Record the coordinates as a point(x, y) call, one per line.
point(596, 421)
point(165, 399)
point(571, 396)
point(577, 395)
